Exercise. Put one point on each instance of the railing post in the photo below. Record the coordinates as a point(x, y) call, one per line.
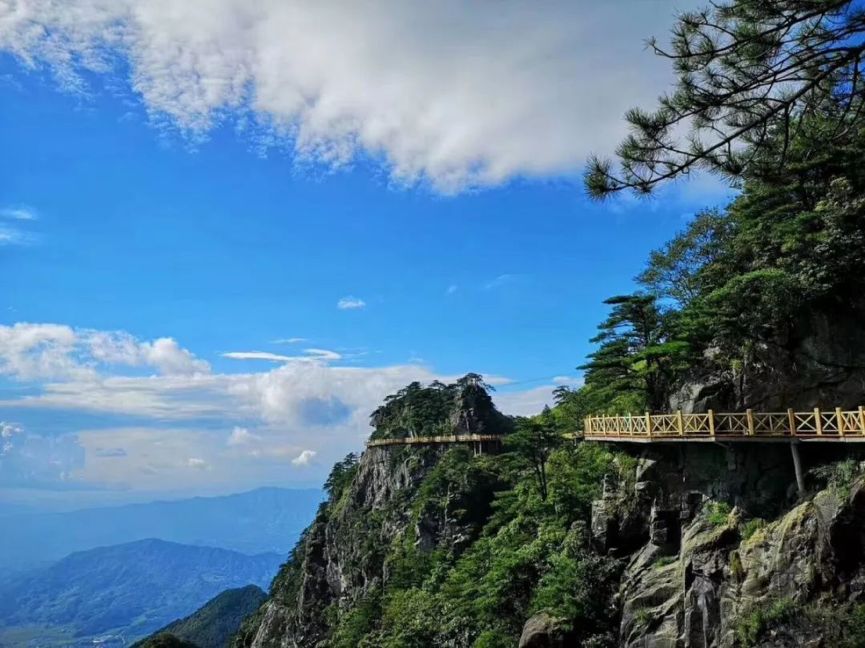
point(680, 422)
point(749, 414)
point(649, 424)
point(587, 426)
point(818, 421)
point(839, 416)
point(862, 419)
point(712, 423)
point(791, 418)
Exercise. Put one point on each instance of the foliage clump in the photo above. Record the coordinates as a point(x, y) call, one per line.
point(463, 407)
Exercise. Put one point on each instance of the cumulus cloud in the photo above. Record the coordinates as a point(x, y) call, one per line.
point(455, 95)
point(313, 403)
point(241, 436)
point(350, 303)
point(56, 351)
point(7, 431)
point(304, 458)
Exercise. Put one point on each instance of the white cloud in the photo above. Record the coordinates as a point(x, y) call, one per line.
point(197, 463)
point(242, 437)
point(504, 280)
point(35, 460)
point(51, 351)
point(304, 458)
point(170, 359)
point(525, 403)
point(7, 431)
point(291, 340)
point(454, 94)
point(258, 355)
point(18, 213)
point(323, 354)
point(31, 351)
point(350, 303)
point(568, 381)
point(310, 355)
point(275, 415)
point(14, 236)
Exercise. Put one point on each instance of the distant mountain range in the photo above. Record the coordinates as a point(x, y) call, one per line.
point(214, 624)
point(121, 593)
point(262, 520)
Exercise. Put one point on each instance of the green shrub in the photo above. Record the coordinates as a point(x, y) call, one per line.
point(839, 475)
point(359, 621)
point(718, 513)
point(751, 527)
point(752, 628)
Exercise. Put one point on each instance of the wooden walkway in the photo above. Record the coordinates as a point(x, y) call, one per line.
point(436, 440)
point(817, 425)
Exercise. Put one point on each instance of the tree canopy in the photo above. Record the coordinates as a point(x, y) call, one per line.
point(751, 76)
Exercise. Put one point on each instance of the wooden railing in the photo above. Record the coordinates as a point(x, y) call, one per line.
point(432, 440)
point(814, 425)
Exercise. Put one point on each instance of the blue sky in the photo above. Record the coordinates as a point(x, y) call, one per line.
point(173, 260)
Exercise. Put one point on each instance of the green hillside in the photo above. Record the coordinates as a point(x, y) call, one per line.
point(211, 626)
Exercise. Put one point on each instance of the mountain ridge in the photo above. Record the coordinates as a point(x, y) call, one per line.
point(256, 521)
point(127, 590)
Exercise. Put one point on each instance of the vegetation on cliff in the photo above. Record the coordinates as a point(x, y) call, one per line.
point(446, 547)
point(464, 407)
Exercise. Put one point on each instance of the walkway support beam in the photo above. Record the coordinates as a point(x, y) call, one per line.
point(797, 467)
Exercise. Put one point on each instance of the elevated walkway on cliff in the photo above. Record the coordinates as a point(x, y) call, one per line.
point(436, 440)
point(832, 426)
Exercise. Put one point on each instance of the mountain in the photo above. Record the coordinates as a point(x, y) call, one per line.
point(556, 544)
point(258, 521)
point(127, 590)
point(214, 624)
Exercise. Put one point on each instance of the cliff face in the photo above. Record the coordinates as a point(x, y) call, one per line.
point(348, 551)
point(817, 362)
point(670, 546)
point(719, 553)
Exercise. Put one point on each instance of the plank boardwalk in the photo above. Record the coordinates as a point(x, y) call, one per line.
point(837, 425)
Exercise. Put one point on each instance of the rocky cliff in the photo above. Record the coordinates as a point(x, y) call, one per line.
point(353, 546)
point(817, 361)
point(719, 551)
point(675, 546)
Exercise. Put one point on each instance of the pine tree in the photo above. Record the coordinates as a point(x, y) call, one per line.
point(750, 74)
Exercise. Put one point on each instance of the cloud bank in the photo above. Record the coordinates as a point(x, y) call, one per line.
point(87, 408)
point(457, 95)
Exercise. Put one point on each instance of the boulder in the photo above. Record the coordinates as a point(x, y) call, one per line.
point(543, 631)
